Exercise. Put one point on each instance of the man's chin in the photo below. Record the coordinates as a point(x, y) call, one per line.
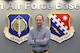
point(38, 25)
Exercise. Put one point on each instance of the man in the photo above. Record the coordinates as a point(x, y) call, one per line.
point(39, 37)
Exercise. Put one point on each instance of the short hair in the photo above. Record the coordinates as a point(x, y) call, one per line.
point(40, 15)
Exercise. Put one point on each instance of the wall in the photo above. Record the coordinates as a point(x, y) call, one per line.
point(70, 46)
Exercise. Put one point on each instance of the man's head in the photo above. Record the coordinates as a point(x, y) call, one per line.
point(39, 20)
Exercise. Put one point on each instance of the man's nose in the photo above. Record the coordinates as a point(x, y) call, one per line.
point(38, 21)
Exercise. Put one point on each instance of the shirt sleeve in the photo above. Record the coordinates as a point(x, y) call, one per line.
point(45, 42)
point(31, 41)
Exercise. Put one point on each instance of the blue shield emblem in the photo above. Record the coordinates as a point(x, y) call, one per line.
point(18, 27)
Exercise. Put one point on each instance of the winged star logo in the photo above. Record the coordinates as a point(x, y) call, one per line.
point(18, 27)
point(60, 27)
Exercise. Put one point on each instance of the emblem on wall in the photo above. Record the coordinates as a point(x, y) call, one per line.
point(18, 27)
point(60, 27)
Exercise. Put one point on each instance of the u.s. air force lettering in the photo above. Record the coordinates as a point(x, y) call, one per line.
point(18, 27)
point(60, 26)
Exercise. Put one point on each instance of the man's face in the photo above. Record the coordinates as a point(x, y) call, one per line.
point(39, 20)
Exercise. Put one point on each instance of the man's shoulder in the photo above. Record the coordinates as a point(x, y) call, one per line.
point(45, 29)
point(33, 29)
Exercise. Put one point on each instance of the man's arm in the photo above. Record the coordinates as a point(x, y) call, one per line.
point(45, 40)
point(31, 40)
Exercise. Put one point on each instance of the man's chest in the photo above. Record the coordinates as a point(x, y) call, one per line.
point(39, 34)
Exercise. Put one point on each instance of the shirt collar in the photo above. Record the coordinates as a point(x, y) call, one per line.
point(39, 29)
